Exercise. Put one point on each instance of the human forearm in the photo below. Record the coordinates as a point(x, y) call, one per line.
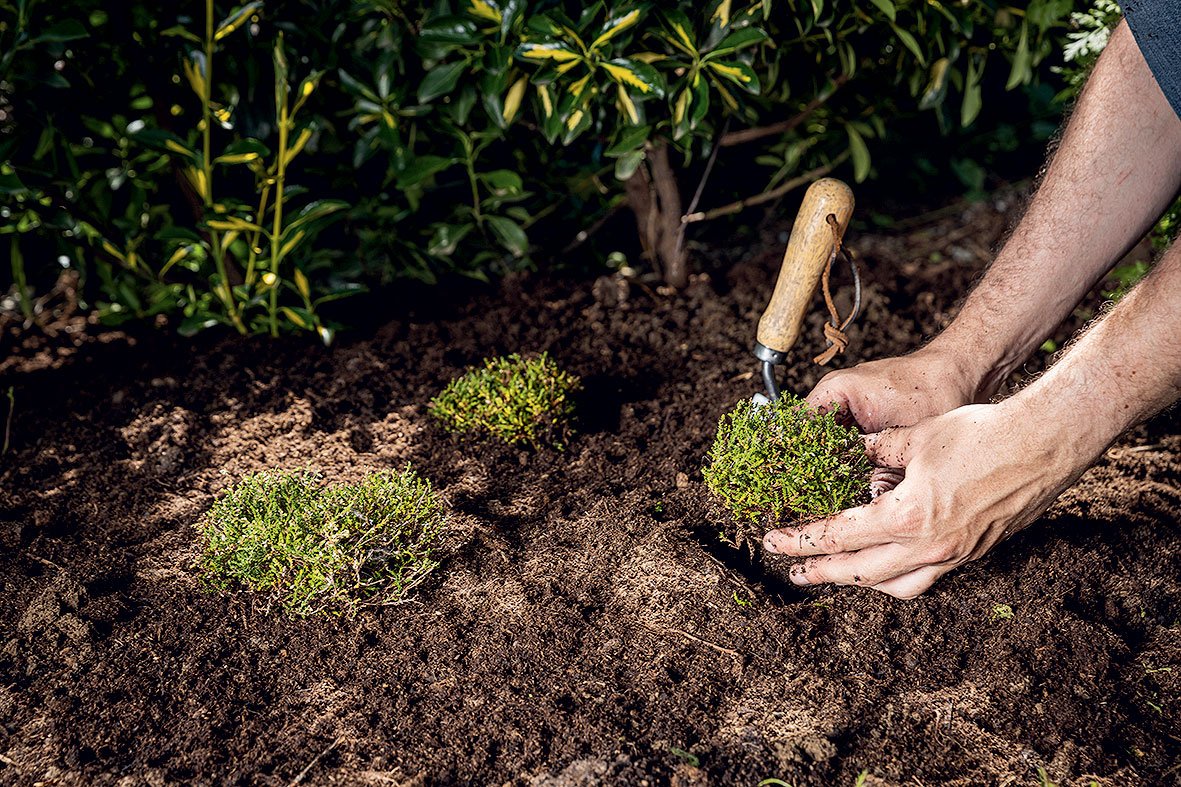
point(1125, 368)
point(1114, 173)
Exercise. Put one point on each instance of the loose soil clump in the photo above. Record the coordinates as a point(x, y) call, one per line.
point(586, 626)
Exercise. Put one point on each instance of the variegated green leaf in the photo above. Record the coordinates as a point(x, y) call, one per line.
point(739, 39)
point(485, 10)
point(628, 107)
point(237, 19)
point(552, 52)
point(166, 141)
point(315, 211)
point(512, 99)
point(936, 88)
point(615, 25)
point(194, 68)
point(291, 243)
point(681, 106)
point(234, 223)
point(681, 32)
point(700, 86)
point(721, 14)
point(737, 72)
point(636, 76)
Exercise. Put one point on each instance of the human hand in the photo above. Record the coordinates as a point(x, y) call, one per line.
point(896, 391)
point(973, 477)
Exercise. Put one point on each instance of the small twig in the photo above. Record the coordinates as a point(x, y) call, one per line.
point(709, 166)
point(699, 640)
point(767, 196)
point(45, 561)
point(1119, 453)
point(784, 126)
point(584, 235)
point(302, 774)
point(8, 421)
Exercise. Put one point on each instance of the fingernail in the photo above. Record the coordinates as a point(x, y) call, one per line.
point(771, 541)
point(798, 578)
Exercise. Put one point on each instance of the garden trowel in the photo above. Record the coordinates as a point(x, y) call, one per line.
point(813, 247)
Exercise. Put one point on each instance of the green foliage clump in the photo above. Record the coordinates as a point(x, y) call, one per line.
point(140, 147)
point(1123, 278)
point(514, 399)
point(1091, 28)
point(315, 548)
point(783, 460)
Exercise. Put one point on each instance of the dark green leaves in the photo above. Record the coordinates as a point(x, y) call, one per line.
point(509, 234)
point(972, 91)
point(1022, 70)
point(440, 81)
point(739, 39)
point(859, 151)
point(65, 30)
point(887, 8)
point(443, 125)
point(449, 32)
point(421, 168)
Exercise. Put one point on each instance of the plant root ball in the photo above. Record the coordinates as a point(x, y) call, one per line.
point(784, 463)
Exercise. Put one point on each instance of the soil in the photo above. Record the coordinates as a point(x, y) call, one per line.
point(587, 625)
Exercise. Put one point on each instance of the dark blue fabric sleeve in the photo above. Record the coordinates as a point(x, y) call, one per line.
point(1156, 26)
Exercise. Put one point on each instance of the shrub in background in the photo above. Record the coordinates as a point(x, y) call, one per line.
point(314, 548)
point(443, 137)
point(783, 461)
point(513, 399)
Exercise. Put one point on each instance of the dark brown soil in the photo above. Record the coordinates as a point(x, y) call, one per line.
point(587, 626)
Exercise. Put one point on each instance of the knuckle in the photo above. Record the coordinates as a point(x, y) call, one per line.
point(829, 539)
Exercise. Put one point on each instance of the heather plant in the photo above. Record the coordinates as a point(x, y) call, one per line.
point(784, 461)
point(514, 399)
point(312, 548)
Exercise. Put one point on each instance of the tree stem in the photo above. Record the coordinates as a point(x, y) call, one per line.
point(784, 126)
point(767, 196)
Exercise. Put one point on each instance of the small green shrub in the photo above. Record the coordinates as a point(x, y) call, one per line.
point(316, 548)
point(783, 460)
point(140, 146)
point(514, 399)
point(1001, 612)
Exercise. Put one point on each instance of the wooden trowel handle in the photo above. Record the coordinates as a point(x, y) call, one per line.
point(808, 251)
